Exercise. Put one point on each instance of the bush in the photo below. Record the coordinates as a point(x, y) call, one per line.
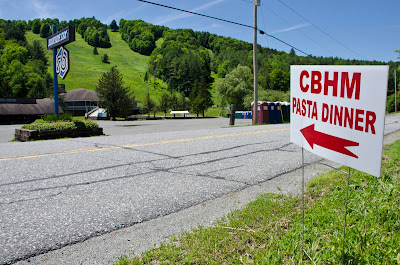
point(85, 124)
point(48, 117)
point(53, 117)
point(105, 58)
point(53, 125)
point(66, 117)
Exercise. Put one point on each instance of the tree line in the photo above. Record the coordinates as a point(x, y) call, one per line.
point(92, 30)
point(23, 66)
point(187, 59)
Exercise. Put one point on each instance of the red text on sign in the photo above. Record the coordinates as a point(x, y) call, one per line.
point(322, 82)
point(356, 119)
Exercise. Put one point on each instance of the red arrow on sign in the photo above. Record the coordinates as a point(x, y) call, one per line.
point(327, 141)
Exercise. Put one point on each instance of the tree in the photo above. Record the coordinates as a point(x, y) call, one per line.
point(45, 30)
point(279, 80)
point(95, 52)
point(236, 85)
point(105, 58)
point(113, 26)
point(148, 104)
point(164, 103)
point(173, 101)
point(114, 95)
point(36, 26)
point(37, 52)
point(200, 98)
point(183, 104)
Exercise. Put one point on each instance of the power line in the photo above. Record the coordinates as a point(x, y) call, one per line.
point(224, 20)
point(248, 1)
point(270, 10)
point(262, 15)
point(286, 44)
point(194, 13)
point(324, 32)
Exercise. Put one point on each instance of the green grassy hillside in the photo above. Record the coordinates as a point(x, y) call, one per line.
point(86, 68)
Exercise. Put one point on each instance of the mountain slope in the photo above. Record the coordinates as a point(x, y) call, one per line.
point(86, 68)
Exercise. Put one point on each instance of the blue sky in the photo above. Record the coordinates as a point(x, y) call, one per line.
point(368, 30)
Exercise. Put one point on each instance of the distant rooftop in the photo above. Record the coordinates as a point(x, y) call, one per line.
point(13, 106)
point(81, 94)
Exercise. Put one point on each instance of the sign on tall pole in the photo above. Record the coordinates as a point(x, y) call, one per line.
point(255, 67)
point(61, 58)
point(55, 79)
point(338, 112)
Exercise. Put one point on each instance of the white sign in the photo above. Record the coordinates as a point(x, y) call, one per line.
point(62, 37)
point(338, 112)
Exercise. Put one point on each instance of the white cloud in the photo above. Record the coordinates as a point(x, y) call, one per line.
point(290, 28)
point(208, 28)
point(125, 14)
point(185, 15)
point(42, 9)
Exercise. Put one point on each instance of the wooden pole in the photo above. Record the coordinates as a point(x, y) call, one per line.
point(395, 91)
point(255, 68)
point(232, 117)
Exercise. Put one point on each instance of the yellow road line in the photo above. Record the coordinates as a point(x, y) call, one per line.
point(140, 145)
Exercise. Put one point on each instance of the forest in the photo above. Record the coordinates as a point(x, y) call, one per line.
point(194, 64)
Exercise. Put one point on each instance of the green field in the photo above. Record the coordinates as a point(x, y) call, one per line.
point(86, 68)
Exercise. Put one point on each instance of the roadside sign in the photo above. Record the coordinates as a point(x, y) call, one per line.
point(63, 37)
point(62, 62)
point(338, 112)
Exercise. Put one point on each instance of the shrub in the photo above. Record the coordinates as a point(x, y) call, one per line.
point(49, 117)
point(52, 126)
point(66, 117)
point(105, 58)
point(85, 124)
point(42, 125)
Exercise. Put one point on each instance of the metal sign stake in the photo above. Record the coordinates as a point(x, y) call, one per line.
point(303, 206)
point(302, 244)
point(345, 214)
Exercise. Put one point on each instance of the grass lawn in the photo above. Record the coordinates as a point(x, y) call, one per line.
point(269, 230)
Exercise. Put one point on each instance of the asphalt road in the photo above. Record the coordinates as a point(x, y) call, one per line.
point(62, 192)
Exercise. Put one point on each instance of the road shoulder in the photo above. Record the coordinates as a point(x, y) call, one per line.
point(106, 249)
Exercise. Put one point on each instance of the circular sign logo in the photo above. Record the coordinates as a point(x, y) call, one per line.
point(62, 62)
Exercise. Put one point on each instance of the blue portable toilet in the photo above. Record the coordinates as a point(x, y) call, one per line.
point(271, 111)
point(275, 114)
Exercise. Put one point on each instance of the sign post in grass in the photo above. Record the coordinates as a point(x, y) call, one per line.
point(338, 112)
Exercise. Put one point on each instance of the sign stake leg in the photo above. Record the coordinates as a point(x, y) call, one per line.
point(302, 196)
point(345, 215)
point(303, 208)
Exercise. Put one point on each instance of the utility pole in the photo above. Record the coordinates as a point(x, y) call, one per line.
point(255, 67)
point(395, 92)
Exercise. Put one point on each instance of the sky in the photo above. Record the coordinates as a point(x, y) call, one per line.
point(348, 29)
